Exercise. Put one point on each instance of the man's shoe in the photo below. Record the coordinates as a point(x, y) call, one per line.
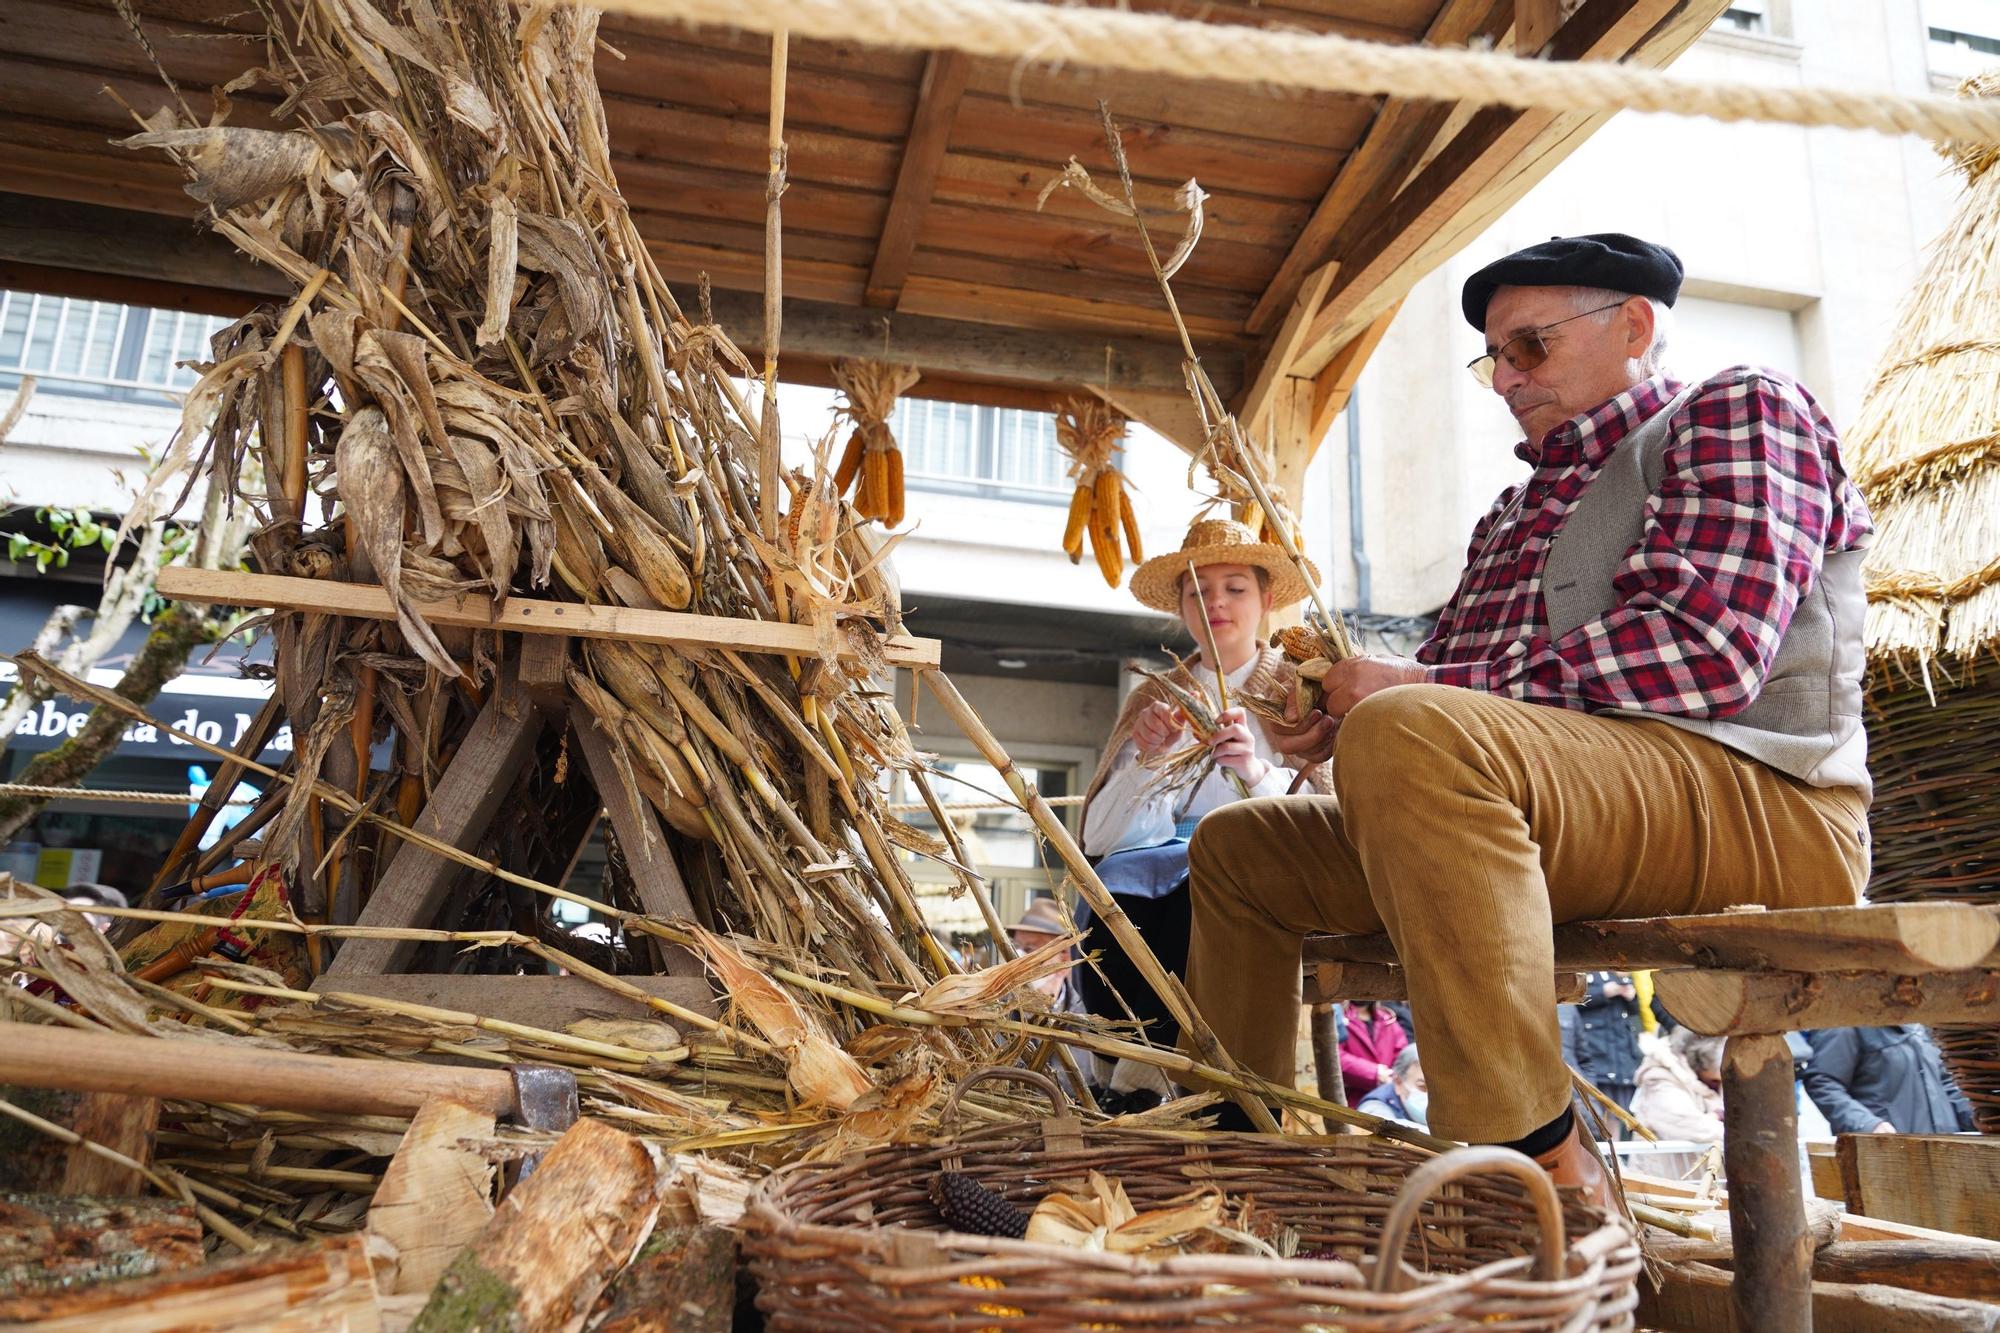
point(1575, 1163)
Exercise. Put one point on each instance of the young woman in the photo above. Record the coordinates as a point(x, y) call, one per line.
point(1136, 827)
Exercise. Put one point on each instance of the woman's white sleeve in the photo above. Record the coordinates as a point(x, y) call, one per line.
point(1124, 813)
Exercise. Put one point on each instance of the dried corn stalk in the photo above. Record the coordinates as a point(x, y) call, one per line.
point(1093, 435)
point(872, 388)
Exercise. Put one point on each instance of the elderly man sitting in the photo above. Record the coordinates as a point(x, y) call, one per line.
point(1644, 697)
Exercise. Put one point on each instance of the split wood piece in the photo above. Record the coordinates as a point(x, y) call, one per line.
point(1903, 938)
point(52, 1242)
point(1725, 1003)
point(228, 1071)
point(435, 1198)
point(655, 875)
point(123, 1123)
point(1772, 1288)
point(538, 1001)
point(1694, 1298)
point(684, 1281)
point(524, 615)
point(297, 1289)
point(463, 804)
point(1947, 1182)
point(555, 1242)
point(1328, 982)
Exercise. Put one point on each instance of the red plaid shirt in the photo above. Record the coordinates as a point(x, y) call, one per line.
point(1754, 494)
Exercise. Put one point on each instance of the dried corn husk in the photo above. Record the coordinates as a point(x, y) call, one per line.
point(1092, 434)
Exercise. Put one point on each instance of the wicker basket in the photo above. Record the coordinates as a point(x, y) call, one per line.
point(857, 1245)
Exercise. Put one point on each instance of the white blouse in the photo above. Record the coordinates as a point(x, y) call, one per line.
point(1131, 810)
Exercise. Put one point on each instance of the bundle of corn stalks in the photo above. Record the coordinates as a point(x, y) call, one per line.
point(1093, 435)
point(872, 388)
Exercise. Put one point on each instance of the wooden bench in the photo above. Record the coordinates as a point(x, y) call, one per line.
point(1750, 976)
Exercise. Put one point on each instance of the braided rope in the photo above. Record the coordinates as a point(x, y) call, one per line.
point(1158, 44)
point(35, 792)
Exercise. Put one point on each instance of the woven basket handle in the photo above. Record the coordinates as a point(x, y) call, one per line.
point(1012, 1073)
point(1434, 1175)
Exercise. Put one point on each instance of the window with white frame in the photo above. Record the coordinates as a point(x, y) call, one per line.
point(980, 450)
point(97, 349)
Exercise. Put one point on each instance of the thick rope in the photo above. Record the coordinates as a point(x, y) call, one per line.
point(1182, 48)
point(34, 792)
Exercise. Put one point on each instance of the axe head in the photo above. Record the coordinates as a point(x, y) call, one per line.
point(544, 1098)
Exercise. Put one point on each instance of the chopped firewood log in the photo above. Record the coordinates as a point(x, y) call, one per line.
point(684, 1281)
point(435, 1198)
point(48, 1242)
point(295, 1289)
point(120, 1121)
point(556, 1242)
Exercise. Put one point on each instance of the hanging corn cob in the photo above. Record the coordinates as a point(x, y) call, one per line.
point(872, 388)
point(1099, 510)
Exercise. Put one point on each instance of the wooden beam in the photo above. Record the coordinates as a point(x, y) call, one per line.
point(1500, 152)
point(539, 1001)
point(520, 615)
point(1903, 938)
point(1772, 1287)
point(1333, 386)
point(1729, 1003)
point(1535, 21)
point(938, 96)
point(655, 877)
point(83, 285)
point(1399, 130)
point(1963, 1268)
point(1946, 1182)
point(462, 808)
point(1329, 982)
point(1277, 360)
point(1170, 413)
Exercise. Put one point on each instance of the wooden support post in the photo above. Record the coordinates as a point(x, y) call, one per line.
point(655, 876)
point(462, 805)
point(1948, 1182)
point(1772, 1289)
point(1326, 1055)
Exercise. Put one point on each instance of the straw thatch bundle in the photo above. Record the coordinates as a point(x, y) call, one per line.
point(1926, 449)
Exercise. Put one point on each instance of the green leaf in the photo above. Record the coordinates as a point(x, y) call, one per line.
point(17, 546)
point(87, 533)
point(110, 540)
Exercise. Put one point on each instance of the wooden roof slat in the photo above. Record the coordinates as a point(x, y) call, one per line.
point(1215, 308)
point(1111, 247)
point(645, 128)
point(1075, 311)
point(720, 81)
point(938, 96)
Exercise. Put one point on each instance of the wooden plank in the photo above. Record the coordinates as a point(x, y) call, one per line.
point(655, 877)
point(434, 1199)
point(1400, 128)
point(1256, 399)
point(1962, 1268)
point(521, 615)
point(52, 1241)
point(1327, 982)
point(1905, 937)
point(1535, 21)
point(539, 1001)
point(462, 807)
point(196, 1069)
point(1946, 1182)
point(293, 1289)
point(1727, 1003)
point(938, 96)
point(1694, 1298)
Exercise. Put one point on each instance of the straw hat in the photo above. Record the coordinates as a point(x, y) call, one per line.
point(1042, 918)
point(1218, 541)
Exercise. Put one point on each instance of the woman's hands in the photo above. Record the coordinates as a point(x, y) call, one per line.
point(1157, 729)
point(1234, 748)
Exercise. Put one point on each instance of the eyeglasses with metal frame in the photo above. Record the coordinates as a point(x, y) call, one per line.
point(1524, 351)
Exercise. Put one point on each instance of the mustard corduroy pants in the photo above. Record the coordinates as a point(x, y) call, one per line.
point(1467, 825)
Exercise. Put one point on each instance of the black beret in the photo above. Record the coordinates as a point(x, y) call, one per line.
point(1609, 259)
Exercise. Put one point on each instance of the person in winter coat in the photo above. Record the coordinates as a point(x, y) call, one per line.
point(1607, 1035)
point(1680, 1088)
point(1368, 1053)
point(1405, 1097)
point(1888, 1080)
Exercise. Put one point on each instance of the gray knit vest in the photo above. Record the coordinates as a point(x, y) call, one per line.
point(1806, 718)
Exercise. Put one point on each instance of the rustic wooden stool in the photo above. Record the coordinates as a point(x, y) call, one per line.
point(1750, 976)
